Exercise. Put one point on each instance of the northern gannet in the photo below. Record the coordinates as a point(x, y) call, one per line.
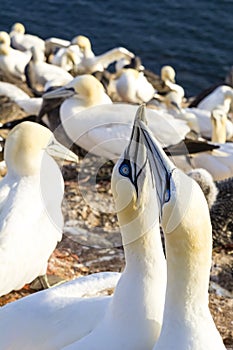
point(221, 95)
point(199, 120)
point(24, 42)
point(218, 162)
point(132, 317)
point(43, 74)
point(52, 44)
point(185, 219)
point(93, 122)
point(31, 192)
point(67, 57)
point(91, 63)
point(132, 86)
point(12, 61)
point(168, 75)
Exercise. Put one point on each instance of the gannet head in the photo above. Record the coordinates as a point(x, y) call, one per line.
point(85, 86)
point(26, 145)
point(18, 27)
point(133, 188)
point(5, 43)
point(83, 42)
point(168, 73)
point(184, 211)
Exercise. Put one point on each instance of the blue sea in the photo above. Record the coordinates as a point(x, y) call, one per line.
point(195, 37)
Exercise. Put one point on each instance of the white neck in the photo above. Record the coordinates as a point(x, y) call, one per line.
point(141, 290)
point(218, 131)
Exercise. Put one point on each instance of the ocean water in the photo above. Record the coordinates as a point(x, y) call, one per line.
point(195, 37)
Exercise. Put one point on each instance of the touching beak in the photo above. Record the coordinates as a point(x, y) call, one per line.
point(58, 151)
point(135, 156)
point(160, 165)
point(63, 92)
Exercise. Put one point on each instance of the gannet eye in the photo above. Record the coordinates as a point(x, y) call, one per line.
point(167, 195)
point(124, 169)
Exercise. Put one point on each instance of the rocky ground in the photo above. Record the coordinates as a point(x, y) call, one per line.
point(88, 210)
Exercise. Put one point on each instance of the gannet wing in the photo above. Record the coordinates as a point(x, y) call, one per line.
point(110, 126)
point(113, 55)
point(12, 91)
point(38, 321)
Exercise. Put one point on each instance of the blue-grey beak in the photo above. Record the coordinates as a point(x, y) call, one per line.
point(63, 92)
point(160, 165)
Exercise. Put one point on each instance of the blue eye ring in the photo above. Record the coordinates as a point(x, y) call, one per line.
point(124, 169)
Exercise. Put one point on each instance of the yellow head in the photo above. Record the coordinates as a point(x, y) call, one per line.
point(26, 145)
point(18, 28)
point(83, 42)
point(168, 73)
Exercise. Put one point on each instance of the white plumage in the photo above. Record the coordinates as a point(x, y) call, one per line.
point(31, 192)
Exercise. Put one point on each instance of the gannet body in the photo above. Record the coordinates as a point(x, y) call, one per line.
point(67, 57)
point(91, 63)
point(198, 119)
point(185, 219)
point(204, 121)
point(25, 42)
point(132, 86)
point(45, 74)
point(12, 61)
point(222, 95)
point(31, 192)
point(168, 75)
point(218, 162)
point(54, 317)
point(93, 122)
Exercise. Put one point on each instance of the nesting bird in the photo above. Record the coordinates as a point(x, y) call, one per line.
point(41, 75)
point(23, 41)
point(12, 61)
point(31, 192)
point(91, 63)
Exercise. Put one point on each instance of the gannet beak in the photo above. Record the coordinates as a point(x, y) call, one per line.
point(58, 151)
point(160, 165)
point(135, 156)
point(175, 104)
point(63, 92)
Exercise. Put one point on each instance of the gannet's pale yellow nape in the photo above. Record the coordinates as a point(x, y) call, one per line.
point(185, 219)
point(134, 317)
point(25, 146)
